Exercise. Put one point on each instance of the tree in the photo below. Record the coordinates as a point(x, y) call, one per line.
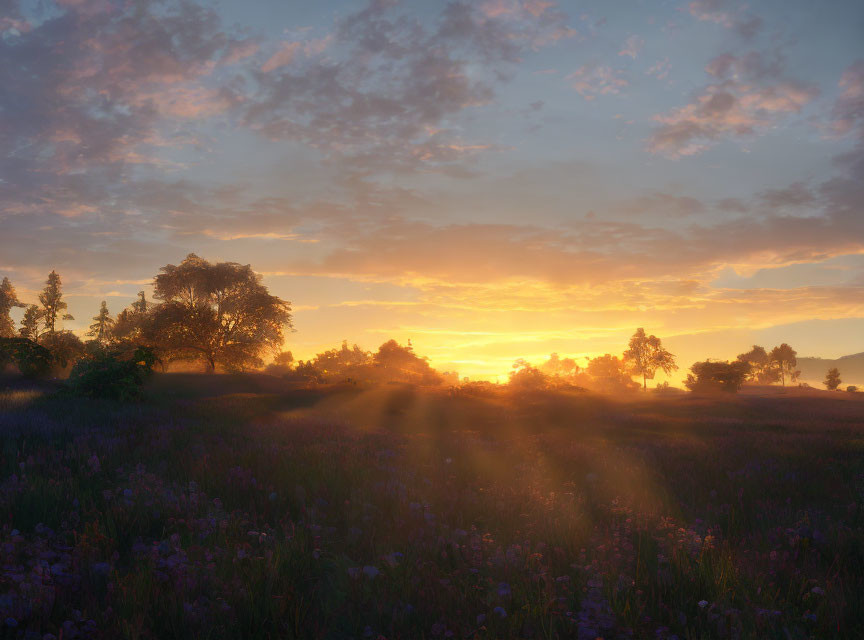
point(30, 323)
point(52, 303)
point(712, 376)
point(646, 355)
point(220, 313)
point(832, 379)
point(525, 376)
point(131, 325)
point(610, 373)
point(102, 326)
point(559, 367)
point(785, 359)
point(396, 363)
point(65, 347)
point(761, 369)
point(8, 301)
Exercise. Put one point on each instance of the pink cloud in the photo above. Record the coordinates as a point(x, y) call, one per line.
point(632, 46)
point(284, 56)
point(593, 80)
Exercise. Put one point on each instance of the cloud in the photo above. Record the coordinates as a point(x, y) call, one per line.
point(390, 94)
point(592, 80)
point(284, 56)
point(660, 69)
point(632, 46)
point(721, 12)
point(748, 96)
point(848, 111)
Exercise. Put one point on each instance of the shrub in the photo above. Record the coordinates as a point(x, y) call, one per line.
point(111, 375)
point(31, 359)
point(710, 376)
point(852, 388)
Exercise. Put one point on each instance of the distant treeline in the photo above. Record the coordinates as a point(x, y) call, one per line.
point(222, 316)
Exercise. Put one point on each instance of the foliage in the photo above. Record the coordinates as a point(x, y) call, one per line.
point(785, 359)
point(832, 379)
point(761, 369)
point(524, 376)
point(610, 374)
point(220, 313)
point(646, 355)
point(111, 375)
point(31, 359)
point(396, 363)
point(103, 325)
point(8, 301)
point(30, 323)
point(712, 376)
point(52, 302)
point(65, 347)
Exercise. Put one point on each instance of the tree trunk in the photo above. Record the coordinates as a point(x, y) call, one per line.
point(210, 364)
point(644, 382)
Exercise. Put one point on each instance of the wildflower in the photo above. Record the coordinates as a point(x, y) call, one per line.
point(504, 589)
point(819, 591)
point(500, 612)
point(370, 571)
point(703, 604)
point(481, 618)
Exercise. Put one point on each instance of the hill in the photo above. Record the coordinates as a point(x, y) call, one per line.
point(851, 369)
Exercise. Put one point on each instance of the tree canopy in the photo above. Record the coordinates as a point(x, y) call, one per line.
point(646, 355)
point(220, 313)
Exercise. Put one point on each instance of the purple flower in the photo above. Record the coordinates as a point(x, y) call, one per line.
point(370, 571)
point(499, 611)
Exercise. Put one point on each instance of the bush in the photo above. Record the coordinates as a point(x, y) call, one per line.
point(111, 375)
point(711, 376)
point(31, 359)
point(852, 388)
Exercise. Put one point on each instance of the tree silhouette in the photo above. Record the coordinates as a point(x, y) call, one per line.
point(711, 376)
point(832, 379)
point(218, 312)
point(52, 303)
point(610, 373)
point(646, 355)
point(8, 301)
point(525, 376)
point(30, 323)
point(785, 359)
point(559, 367)
point(761, 368)
point(398, 363)
point(102, 326)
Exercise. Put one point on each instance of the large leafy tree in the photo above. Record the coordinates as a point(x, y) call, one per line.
point(710, 376)
point(395, 362)
point(8, 301)
point(220, 313)
point(102, 326)
point(609, 373)
point(646, 355)
point(761, 368)
point(785, 359)
point(52, 302)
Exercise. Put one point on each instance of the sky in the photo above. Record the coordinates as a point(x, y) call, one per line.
point(490, 179)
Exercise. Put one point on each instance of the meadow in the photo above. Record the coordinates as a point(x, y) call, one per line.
point(244, 507)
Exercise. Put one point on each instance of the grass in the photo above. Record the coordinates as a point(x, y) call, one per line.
point(238, 506)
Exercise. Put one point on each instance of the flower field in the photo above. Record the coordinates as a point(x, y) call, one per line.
point(221, 507)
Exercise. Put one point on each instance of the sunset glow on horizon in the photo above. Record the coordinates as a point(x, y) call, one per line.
point(492, 180)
